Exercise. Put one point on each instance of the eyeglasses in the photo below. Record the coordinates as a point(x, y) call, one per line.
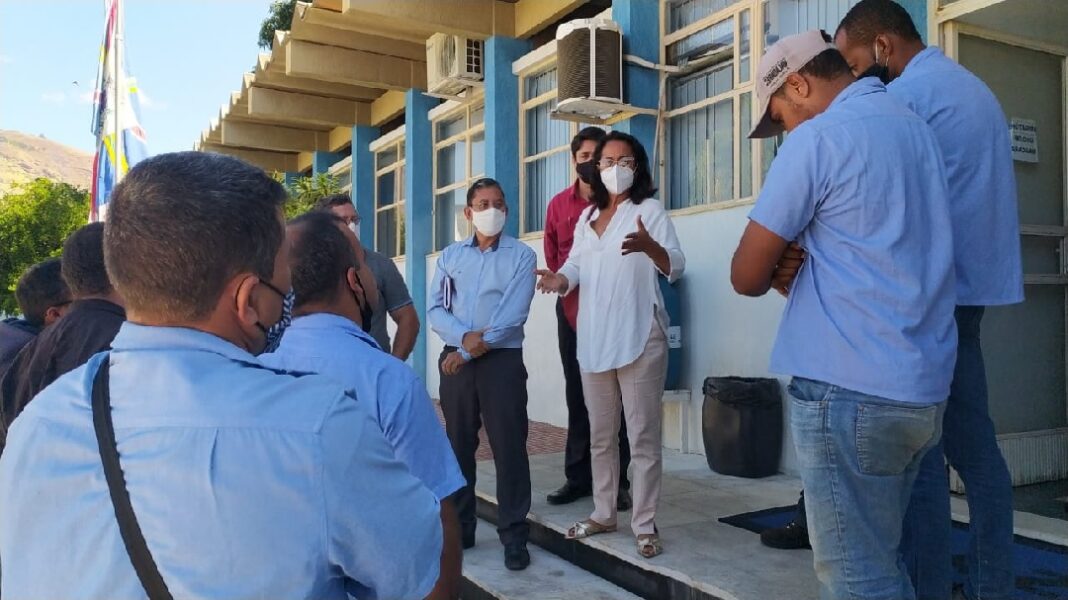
point(626, 161)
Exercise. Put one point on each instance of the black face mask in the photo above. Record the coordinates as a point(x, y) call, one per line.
point(365, 310)
point(587, 171)
point(877, 70)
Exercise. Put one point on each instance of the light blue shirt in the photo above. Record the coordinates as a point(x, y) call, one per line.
point(246, 481)
point(492, 291)
point(973, 134)
point(862, 188)
point(334, 346)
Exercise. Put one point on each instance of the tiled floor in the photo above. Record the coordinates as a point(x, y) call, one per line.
point(542, 438)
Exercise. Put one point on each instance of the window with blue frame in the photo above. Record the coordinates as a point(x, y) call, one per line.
point(459, 158)
point(389, 200)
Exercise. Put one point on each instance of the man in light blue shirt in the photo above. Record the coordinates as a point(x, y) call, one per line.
point(244, 481)
point(868, 331)
point(326, 337)
point(480, 298)
point(973, 135)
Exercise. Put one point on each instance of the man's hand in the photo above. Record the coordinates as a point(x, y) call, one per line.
point(452, 363)
point(550, 282)
point(474, 344)
point(782, 279)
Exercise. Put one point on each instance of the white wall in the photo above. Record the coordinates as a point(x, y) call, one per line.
point(723, 333)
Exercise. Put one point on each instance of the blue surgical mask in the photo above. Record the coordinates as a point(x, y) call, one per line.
point(273, 334)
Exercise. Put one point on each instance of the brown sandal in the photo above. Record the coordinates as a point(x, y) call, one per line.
point(649, 545)
point(584, 529)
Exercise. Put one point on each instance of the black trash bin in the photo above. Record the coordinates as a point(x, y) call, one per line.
point(742, 425)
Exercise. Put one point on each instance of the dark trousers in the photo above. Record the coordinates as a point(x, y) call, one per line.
point(491, 391)
point(577, 464)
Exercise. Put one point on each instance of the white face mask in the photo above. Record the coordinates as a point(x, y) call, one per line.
point(617, 179)
point(489, 222)
point(355, 229)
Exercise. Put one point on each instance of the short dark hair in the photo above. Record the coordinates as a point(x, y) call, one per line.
point(587, 134)
point(82, 263)
point(485, 182)
point(41, 287)
point(319, 257)
point(328, 202)
point(642, 187)
point(870, 18)
point(181, 225)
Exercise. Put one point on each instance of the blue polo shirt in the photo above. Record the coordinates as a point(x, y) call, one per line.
point(973, 134)
point(862, 188)
point(334, 346)
point(247, 483)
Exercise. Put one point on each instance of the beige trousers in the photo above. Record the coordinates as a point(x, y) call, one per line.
point(641, 387)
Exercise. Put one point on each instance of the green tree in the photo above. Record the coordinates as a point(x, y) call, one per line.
point(304, 192)
point(35, 219)
point(279, 17)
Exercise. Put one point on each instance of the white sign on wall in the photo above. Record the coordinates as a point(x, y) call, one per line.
point(1024, 135)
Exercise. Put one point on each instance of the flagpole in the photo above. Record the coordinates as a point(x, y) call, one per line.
point(116, 84)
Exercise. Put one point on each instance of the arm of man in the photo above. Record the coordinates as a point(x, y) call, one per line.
point(399, 304)
point(511, 314)
point(385, 537)
point(793, 190)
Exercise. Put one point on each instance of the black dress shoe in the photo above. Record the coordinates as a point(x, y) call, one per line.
point(516, 557)
point(567, 494)
point(791, 537)
point(623, 500)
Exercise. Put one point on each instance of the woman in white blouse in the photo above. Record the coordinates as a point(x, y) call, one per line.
point(623, 242)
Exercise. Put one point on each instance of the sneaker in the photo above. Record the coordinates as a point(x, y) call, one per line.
point(567, 494)
point(516, 557)
point(623, 500)
point(791, 537)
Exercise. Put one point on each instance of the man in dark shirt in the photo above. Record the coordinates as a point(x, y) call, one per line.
point(88, 327)
point(43, 297)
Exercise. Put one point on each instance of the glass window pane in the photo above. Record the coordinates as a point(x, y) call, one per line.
point(400, 230)
point(387, 189)
point(536, 85)
point(787, 17)
point(478, 154)
point(386, 233)
point(706, 42)
point(701, 156)
point(385, 158)
point(543, 132)
point(684, 12)
point(744, 65)
point(450, 224)
point(451, 164)
point(745, 159)
point(721, 125)
point(700, 86)
point(545, 177)
point(769, 149)
point(477, 116)
point(450, 127)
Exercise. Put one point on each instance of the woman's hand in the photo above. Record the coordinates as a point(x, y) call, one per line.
point(550, 282)
point(640, 241)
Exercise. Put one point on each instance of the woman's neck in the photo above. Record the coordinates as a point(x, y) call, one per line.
point(616, 200)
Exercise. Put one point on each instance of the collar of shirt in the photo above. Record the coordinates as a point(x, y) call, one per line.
point(860, 87)
point(332, 322)
point(924, 56)
point(502, 242)
point(97, 304)
point(22, 325)
point(132, 336)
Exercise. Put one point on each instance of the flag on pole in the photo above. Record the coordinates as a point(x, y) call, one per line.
point(120, 141)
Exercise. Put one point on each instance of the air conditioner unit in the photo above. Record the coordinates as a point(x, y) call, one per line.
point(453, 63)
point(589, 59)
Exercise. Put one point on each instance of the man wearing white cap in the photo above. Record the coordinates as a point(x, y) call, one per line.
point(868, 332)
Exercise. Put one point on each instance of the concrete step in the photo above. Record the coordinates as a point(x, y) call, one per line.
point(548, 577)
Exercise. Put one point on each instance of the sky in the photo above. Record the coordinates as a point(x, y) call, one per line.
point(187, 56)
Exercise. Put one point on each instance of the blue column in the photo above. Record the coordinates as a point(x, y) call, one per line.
point(640, 22)
point(418, 209)
point(502, 121)
point(321, 161)
point(363, 181)
point(917, 9)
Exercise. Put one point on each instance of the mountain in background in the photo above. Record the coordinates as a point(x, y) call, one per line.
point(24, 157)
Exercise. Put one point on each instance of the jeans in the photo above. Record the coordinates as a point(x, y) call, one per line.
point(969, 444)
point(858, 456)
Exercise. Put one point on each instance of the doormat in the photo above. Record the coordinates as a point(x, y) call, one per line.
point(1041, 568)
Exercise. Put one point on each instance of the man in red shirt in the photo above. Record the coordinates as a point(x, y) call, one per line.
point(560, 220)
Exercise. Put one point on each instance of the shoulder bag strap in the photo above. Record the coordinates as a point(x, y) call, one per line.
point(132, 537)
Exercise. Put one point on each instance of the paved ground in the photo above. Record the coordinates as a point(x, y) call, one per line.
point(542, 438)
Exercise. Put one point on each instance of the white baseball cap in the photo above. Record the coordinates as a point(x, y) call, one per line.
point(784, 57)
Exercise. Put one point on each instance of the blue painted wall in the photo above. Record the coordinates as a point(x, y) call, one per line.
point(363, 181)
point(418, 209)
point(640, 22)
point(502, 121)
point(322, 161)
point(917, 9)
